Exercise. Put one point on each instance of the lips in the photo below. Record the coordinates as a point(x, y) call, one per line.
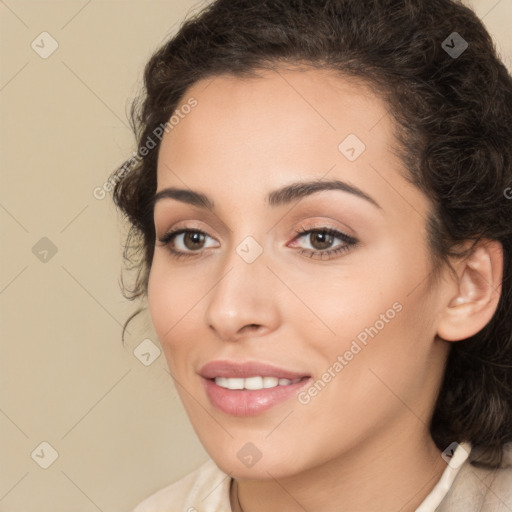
point(227, 386)
point(228, 369)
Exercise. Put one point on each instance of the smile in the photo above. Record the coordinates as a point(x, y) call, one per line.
point(253, 382)
point(249, 388)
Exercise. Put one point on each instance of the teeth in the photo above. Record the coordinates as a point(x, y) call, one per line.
point(270, 382)
point(253, 382)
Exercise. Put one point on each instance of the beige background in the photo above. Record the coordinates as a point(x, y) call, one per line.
point(65, 378)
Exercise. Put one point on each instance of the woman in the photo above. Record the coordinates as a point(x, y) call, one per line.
point(322, 202)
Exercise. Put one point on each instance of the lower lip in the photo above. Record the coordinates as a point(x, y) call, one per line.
point(249, 402)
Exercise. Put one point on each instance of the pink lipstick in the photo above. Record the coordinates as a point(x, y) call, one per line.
point(248, 389)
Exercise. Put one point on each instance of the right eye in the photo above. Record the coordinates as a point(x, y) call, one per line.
point(185, 242)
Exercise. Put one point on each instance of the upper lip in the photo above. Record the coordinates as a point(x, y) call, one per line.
point(232, 369)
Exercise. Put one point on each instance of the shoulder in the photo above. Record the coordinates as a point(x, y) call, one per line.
point(205, 489)
point(481, 489)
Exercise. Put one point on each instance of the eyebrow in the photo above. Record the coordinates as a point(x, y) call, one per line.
point(278, 197)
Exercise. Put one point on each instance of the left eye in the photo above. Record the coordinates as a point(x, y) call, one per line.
point(320, 241)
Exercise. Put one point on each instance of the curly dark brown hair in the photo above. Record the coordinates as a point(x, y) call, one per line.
point(453, 118)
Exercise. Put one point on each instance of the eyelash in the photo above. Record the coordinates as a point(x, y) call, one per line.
point(349, 242)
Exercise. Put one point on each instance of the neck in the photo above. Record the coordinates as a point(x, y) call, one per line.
point(396, 477)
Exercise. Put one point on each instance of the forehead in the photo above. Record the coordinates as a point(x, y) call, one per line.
point(260, 133)
point(299, 104)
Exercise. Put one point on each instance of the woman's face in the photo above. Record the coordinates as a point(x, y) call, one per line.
point(309, 263)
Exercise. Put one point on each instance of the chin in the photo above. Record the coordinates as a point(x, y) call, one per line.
point(247, 461)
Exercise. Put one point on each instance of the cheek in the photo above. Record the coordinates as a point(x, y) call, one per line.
point(171, 299)
point(345, 302)
point(377, 309)
point(369, 370)
point(158, 299)
point(381, 350)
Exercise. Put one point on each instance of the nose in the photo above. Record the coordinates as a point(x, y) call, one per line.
point(244, 301)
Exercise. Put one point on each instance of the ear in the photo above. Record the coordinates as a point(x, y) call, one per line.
point(473, 295)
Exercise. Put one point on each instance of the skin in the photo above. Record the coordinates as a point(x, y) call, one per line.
point(363, 441)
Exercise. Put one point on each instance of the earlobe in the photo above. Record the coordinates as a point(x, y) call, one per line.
point(477, 292)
